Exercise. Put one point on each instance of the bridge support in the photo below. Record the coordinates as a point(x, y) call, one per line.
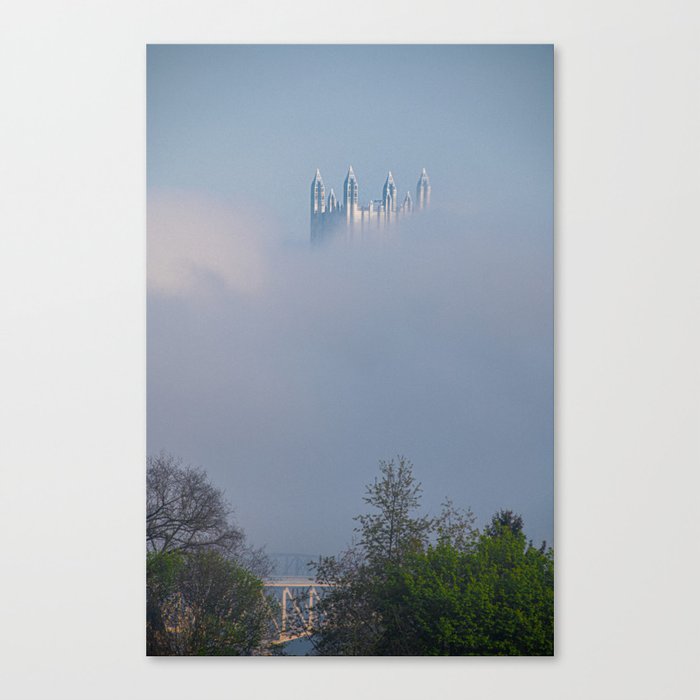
point(298, 603)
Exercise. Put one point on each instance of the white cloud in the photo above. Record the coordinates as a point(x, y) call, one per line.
point(196, 244)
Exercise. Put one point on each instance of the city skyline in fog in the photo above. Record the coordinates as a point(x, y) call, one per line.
point(289, 372)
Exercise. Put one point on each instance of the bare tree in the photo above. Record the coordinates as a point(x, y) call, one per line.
point(185, 513)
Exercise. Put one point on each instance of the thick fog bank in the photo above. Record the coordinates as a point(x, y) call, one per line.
point(288, 372)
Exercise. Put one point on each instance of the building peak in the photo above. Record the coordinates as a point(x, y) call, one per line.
point(423, 190)
point(349, 218)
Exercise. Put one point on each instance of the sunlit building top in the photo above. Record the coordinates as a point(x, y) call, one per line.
point(350, 219)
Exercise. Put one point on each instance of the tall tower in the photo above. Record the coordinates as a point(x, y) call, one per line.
point(318, 194)
point(390, 194)
point(318, 204)
point(332, 202)
point(350, 195)
point(423, 191)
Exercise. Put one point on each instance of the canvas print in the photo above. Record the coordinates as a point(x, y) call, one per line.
point(350, 350)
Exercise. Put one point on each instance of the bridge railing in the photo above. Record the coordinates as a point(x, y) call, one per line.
point(298, 598)
point(292, 564)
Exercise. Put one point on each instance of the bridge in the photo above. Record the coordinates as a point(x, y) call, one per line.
point(297, 597)
point(294, 565)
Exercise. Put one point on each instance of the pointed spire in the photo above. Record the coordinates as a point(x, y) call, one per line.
point(350, 192)
point(390, 193)
point(318, 194)
point(423, 190)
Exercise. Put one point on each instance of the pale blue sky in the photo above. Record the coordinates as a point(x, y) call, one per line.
point(287, 374)
point(258, 120)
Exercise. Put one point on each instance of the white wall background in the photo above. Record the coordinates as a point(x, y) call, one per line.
point(72, 355)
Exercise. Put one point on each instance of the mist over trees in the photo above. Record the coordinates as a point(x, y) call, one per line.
point(411, 584)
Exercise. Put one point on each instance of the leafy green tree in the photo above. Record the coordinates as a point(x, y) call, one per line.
point(413, 585)
point(202, 603)
point(495, 600)
point(163, 602)
point(351, 624)
point(204, 588)
point(456, 526)
point(505, 519)
point(392, 530)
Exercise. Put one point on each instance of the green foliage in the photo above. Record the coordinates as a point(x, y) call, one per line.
point(162, 572)
point(421, 586)
point(505, 519)
point(203, 597)
point(496, 600)
point(202, 603)
point(455, 526)
point(391, 531)
point(351, 621)
point(351, 625)
point(413, 585)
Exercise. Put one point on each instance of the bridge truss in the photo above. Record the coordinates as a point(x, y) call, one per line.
point(298, 598)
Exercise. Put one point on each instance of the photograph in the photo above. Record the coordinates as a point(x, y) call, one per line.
point(350, 350)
